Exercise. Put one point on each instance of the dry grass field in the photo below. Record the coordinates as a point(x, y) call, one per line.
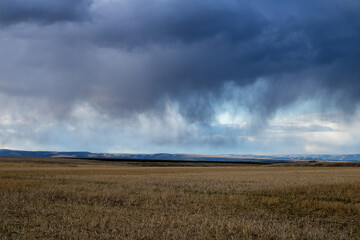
point(83, 199)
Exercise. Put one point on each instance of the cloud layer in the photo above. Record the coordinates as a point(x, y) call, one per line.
point(42, 12)
point(126, 59)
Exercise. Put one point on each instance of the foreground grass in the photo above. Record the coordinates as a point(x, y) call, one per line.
point(42, 201)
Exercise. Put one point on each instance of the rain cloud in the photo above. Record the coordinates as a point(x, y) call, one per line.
point(126, 58)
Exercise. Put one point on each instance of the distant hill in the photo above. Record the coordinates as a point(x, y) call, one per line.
point(309, 157)
point(186, 157)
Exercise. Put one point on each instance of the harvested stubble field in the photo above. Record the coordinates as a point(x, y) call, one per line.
point(84, 199)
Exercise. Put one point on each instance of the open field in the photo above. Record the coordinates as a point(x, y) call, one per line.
point(85, 199)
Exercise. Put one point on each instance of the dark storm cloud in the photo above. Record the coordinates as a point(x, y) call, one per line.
point(135, 55)
point(135, 23)
point(43, 11)
point(303, 50)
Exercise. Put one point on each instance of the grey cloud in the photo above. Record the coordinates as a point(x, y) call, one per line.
point(134, 56)
point(310, 128)
point(135, 23)
point(301, 55)
point(43, 11)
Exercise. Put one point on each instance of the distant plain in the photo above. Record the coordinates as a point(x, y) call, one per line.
point(47, 198)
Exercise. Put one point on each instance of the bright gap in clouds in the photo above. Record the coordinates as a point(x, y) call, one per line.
point(299, 128)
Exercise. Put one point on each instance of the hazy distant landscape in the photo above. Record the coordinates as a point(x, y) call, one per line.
point(187, 157)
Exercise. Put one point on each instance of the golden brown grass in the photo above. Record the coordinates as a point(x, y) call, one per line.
point(78, 201)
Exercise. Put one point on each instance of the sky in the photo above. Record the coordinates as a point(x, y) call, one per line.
point(177, 76)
